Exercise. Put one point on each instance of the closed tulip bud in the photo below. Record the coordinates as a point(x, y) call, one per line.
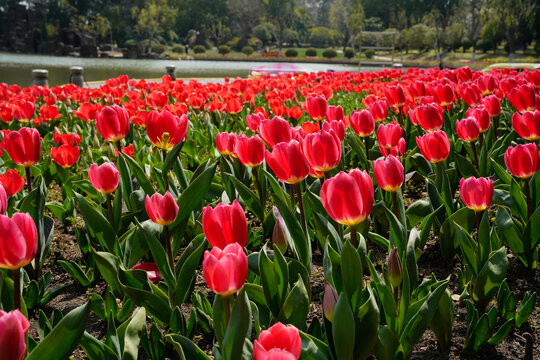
point(471, 94)
point(388, 135)
point(334, 113)
point(225, 224)
point(476, 193)
point(225, 271)
point(66, 156)
point(527, 125)
point(434, 146)
point(166, 130)
point(506, 84)
point(161, 209)
point(322, 150)
point(275, 131)
point(288, 162)
point(18, 241)
point(316, 107)
point(113, 123)
point(467, 129)
point(362, 123)
point(280, 233)
point(389, 173)
point(379, 110)
point(105, 178)
point(254, 120)
point(250, 151)
point(329, 302)
point(481, 115)
point(13, 328)
point(348, 197)
point(158, 99)
point(395, 96)
point(151, 270)
point(522, 160)
point(395, 273)
point(23, 146)
point(278, 342)
point(487, 84)
point(522, 98)
point(225, 143)
point(444, 93)
point(12, 182)
point(429, 117)
point(338, 127)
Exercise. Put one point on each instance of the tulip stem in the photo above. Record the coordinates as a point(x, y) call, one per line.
point(301, 205)
point(354, 240)
point(292, 191)
point(258, 184)
point(17, 288)
point(495, 119)
point(473, 145)
point(169, 247)
point(227, 309)
point(527, 191)
point(28, 178)
point(481, 138)
point(165, 176)
point(366, 143)
point(110, 209)
point(395, 204)
point(478, 220)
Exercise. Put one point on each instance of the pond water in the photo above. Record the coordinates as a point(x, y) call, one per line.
point(17, 68)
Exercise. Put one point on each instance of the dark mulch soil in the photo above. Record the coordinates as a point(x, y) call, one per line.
point(513, 347)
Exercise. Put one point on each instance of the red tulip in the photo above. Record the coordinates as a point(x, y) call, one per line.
point(225, 271)
point(12, 182)
point(389, 173)
point(522, 160)
point(65, 155)
point(158, 99)
point(362, 123)
point(23, 146)
point(225, 143)
point(278, 342)
point(151, 270)
point(388, 135)
point(476, 194)
point(13, 328)
point(492, 105)
point(288, 162)
point(330, 300)
point(128, 150)
point(379, 110)
point(522, 98)
point(104, 178)
point(275, 131)
point(471, 94)
point(18, 241)
point(338, 127)
point(481, 115)
point(254, 120)
point(429, 117)
point(322, 150)
point(49, 112)
point(225, 224)
point(467, 129)
point(348, 198)
point(434, 146)
point(397, 150)
point(70, 139)
point(444, 93)
point(166, 130)
point(113, 123)
point(395, 96)
point(161, 209)
point(417, 89)
point(527, 125)
point(294, 113)
point(487, 84)
point(507, 84)
point(3, 200)
point(334, 113)
point(88, 111)
point(316, 107)
point(250, 151)
point(463, 73)
point(23, 110)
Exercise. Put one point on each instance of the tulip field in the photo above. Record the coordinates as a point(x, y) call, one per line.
point(342, 216)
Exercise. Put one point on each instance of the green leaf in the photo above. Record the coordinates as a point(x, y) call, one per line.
point(95, 349)
point(125, 183)
point(417, 211)
point(188, 267)
point(171, 157)
point(525, 308)
point(344, 329)
point(77, 273)
point(98, 226)
point(238, 328)
point(502, 333)
point(249, 197)
point(484, 239)
point(64, 338)
point(274, 280)
point(191, 351)
point(490, 277)
point(481, 332)
point(352, 273)
point(442, 321)
point(387, 345)
point(130, 334)
point(520, 205)
point(139, 173)
point(468, 249)
point(367, 326)
point(296, 306)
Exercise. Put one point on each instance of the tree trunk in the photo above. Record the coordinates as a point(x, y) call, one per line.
point(473, 52)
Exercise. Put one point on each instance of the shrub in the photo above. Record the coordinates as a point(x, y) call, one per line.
point(369, 53)
point(291, 53)
point(329, 53)
point(311, 52)
point(180, 49)
point(349, 53)
point(322, 36)
point(466, 43)
point(224, 49)
point(158, 48)
point(199, 49)
point(248, 50)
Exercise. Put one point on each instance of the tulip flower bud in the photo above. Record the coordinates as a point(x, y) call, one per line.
point(113, 123)
point(105, 178)
point(161, 209)
point(225, 271)
point(395, 274)
point(12, 182)
point(23, 146)
point(316, 107)
point(278, 342)
point(275, 131)
point(288, 162)
point(330, 300)
point(476, 194)
point(435, 146)
point(280, 234)
point(389, 173)
point(250, 151)
point(527, 125)
point(13, 328)
point(225, 224)
point(522, 160)
point(18, 241)
point(225, 143)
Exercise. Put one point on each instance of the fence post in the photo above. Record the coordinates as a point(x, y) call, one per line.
point(171, 71)
point(76, 75)
point(40, 77)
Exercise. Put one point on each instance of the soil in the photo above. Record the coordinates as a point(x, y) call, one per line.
point(513, 347)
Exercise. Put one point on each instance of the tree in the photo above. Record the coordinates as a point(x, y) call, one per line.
point(473, 20)
point(152, 19)
point(281, 13)
point(355, 21)
point(243, 14)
